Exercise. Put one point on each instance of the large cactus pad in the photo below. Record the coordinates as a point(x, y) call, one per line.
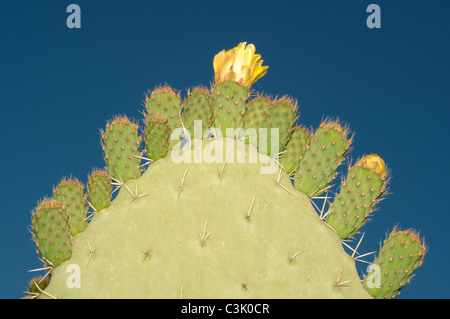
point(218, 230)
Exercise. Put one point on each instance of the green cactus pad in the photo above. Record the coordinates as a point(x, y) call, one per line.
point(121, 142)
point(99, 189)
point(229, 106)
point(70, 193)
point(295, 149)
point(326, 151)
point(358, 195)
point(50, 232)
point(281, 115)
point(192, 235)
point(198, 105)
point(156, 136)
point(402, 253)
point(164, 101)
point(36, 286)
point(265, 115)
point(255, 117)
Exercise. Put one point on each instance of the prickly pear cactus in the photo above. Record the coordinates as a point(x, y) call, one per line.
point(216, 203)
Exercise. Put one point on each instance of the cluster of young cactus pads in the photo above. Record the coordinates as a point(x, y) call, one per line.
point(207, 212)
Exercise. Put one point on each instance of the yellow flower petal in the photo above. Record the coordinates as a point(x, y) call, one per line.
point(249, 52)
point(256, 57)
point(217, 60)
point(222, 64)
point(238, 58)
point(245, 74)
point(227, 62)
point(258, 71)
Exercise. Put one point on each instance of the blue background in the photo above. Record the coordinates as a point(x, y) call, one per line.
point(59, 86)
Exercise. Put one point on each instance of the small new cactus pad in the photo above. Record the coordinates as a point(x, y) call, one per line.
point(280, 116)
point(99, 189)
point(50, 232)
point(164, 101)
point(156, 136)
point(229, 106)
point(359, 193)
point(402, 253)
point(198, 106)
point(255, 118)
point(70, 193)
point(121, 143)
point(228, 212)
point(326, 151)
point(296, 147)
point(36, 286)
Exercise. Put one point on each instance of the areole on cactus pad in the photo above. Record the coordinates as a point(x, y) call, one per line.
point(213, 199)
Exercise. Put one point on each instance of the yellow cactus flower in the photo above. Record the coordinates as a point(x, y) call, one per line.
point(239, 64)
point(375, 163)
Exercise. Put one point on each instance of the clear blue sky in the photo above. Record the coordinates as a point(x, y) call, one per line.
point(59, 86)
